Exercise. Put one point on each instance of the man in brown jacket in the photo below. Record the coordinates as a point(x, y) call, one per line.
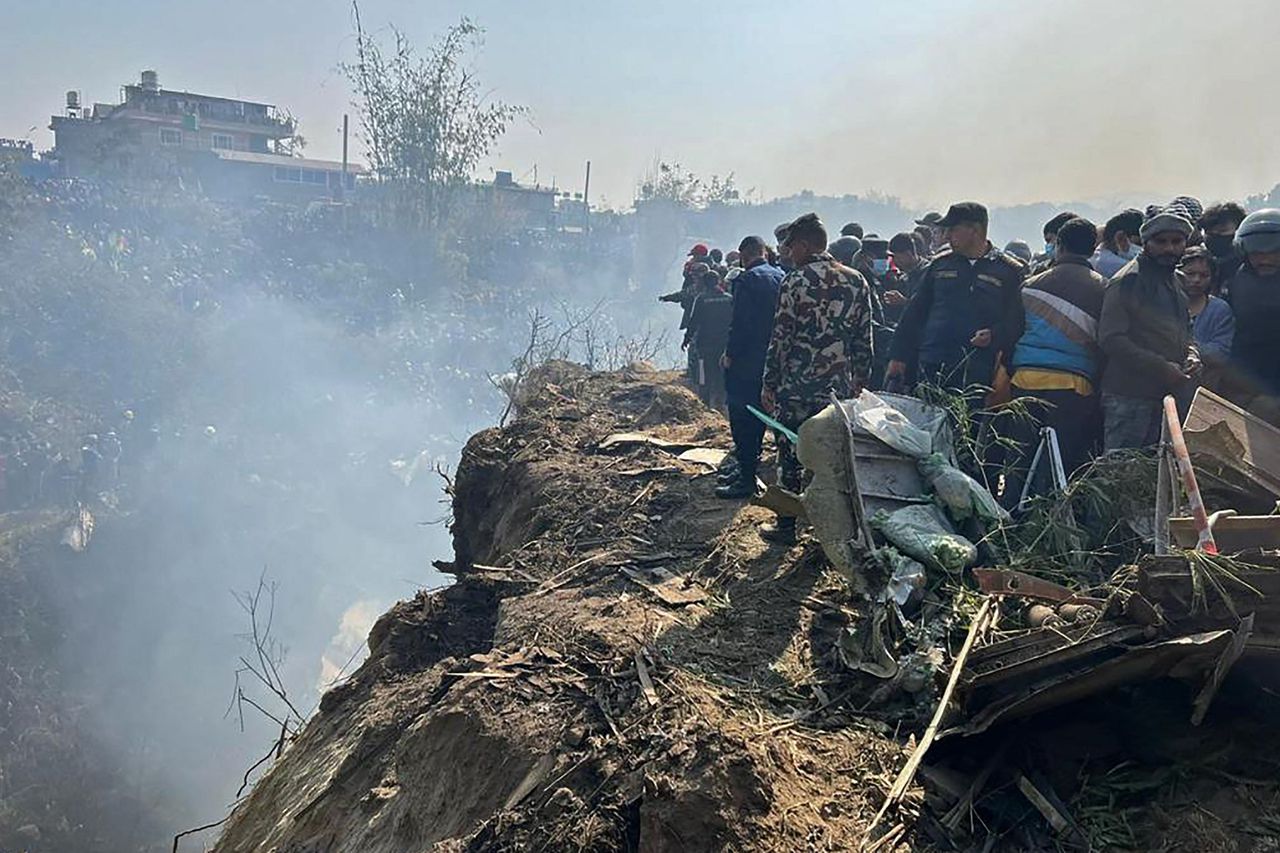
point(1145, 331)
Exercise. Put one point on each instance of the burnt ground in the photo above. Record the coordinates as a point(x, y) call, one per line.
point(549, 701)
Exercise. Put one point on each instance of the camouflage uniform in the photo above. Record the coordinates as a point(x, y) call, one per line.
point(821, 343)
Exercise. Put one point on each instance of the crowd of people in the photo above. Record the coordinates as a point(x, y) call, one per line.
point(1089, 335)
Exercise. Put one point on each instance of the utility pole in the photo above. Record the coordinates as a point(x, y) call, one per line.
point(346, 126)
point(586, 202)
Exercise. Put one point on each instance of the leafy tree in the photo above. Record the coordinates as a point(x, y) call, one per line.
point(673, 183)
point(425, 119)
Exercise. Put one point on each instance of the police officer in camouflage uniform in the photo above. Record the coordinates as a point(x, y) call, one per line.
point(821, 342)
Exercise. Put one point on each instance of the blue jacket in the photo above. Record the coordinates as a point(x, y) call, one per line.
point(1214, 329)
point(755, 298)
point(1061, 310)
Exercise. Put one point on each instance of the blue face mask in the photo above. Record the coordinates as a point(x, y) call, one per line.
point(1050, 249)
point(880, 265)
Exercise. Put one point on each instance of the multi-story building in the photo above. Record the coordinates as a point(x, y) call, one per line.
point(233, 147)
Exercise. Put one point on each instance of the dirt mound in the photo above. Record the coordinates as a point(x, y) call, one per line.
point(552, 699)
point(623, 664)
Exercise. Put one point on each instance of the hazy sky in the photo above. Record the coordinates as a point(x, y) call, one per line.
point(1004, 100)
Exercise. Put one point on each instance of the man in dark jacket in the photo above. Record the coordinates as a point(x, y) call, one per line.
point(1253, 374)
point(965, 314)
point(755, 297)
point(694, 267)
point(1219, 223)
point(908, 269)
point(1056, 363)
point(1145, 332)
point(707, 335)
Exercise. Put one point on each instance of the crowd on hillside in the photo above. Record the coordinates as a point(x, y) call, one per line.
point(1090, 334)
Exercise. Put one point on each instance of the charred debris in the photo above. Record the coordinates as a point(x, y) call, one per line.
point(1131, 574)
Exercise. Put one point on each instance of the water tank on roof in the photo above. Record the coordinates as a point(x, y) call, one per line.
point(73, 102)
point(503, 179)
point(150, 81)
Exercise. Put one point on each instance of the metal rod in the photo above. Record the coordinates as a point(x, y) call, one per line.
point(1163, 492)
point(1055, 458)
point(346, 126)
point(1204, 533)
point(855, 493)
point(1031, 474)
point(586, 201)
point(772, 423)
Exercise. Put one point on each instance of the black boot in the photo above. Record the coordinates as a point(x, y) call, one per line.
point(743, 487)
point(780, 532)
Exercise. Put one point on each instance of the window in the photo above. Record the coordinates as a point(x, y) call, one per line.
point(314, 176)
point(224, 140)
point(287, 175)
point(169, 136)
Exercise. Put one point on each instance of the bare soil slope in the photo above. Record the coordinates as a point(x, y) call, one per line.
point(552, 701)
point(563, 696)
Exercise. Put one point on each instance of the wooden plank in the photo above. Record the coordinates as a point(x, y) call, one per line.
point(708, 456)
point(634, 439)
point(646, 683)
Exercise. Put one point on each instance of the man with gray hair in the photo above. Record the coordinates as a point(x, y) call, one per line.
point(1145, 332)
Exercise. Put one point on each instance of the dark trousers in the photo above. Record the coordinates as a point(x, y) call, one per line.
point(977, 368)
point(1075, 418)
point(748, 433)
point(1132, 421)
point(711, 381)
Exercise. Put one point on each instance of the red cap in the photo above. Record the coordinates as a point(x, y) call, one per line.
point(699, 250)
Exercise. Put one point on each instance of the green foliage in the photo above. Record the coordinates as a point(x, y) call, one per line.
point(672, 183)
point(79, 313)
point(1084, 533)
point(425, 120)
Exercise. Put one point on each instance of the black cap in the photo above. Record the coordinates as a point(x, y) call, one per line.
point(876, 247)
point(930, 218)
point(965, 211)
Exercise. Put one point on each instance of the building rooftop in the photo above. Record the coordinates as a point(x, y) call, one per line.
point(137, 89)
point(283, 160)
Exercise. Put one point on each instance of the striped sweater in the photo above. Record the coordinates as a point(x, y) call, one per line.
point(1060, 328)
